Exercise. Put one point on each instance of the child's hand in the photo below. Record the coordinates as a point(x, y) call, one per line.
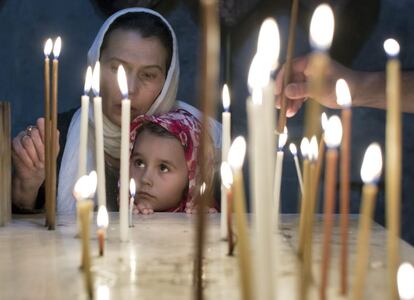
point(143, 207)
point(192, 209)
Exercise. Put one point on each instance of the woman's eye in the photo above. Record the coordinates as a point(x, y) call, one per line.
point(139, 163)
point(164, 168)
point(114, 69)
point(148, 76)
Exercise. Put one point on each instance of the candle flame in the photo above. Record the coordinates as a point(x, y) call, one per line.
point(259, 72)
point(81, 189)
point(132, 187)
point(203, 188)
point(57, 47)
point(102, 219)
point(93, 182)
point(122, 82)
point(304, 147)
point(391, 47)
point(324, 121)
point(257, 96)
point(283, 138)
point(88, 81)
point(293, 149)
point(226, 175)
point(333, 132)
point(236, 153)
point(226, 97)
point(372, 164)
point(268, 44)
point(96, 79)
point(313, 149)
point(343, 95)
point(322, 27)
point(48, 47)
point(405, 277)
point(102, 292)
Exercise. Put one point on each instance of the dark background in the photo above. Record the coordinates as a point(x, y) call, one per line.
point(360, 31)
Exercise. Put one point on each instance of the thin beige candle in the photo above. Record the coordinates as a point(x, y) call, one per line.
point(85, 207)
point(99, 138)
point(124, 169)
point(235, 158)
point(47, 50)
point(304, 148)
point(321, 155)
point(83, 138)
point(288, 64)
point(344, 99)
point(393, 160)
point(278, 176)
point(333, 136)
point(370, 172)
point(321, 34)
point(225, 145)
point(227, 180)
point(54, 142)
point(102, 222)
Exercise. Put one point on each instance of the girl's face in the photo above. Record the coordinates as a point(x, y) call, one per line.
point(144, 60)
point(159, 168)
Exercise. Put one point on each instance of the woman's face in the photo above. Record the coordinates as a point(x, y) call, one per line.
point(159, 168)
point(144, 60)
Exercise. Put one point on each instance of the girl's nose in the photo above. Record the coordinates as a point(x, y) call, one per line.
point(146, 178)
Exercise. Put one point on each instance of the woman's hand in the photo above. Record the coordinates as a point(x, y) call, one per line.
point(28, 153)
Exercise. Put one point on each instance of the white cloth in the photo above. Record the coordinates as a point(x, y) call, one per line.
point(165, 101)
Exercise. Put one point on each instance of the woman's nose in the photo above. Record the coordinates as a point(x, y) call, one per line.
point(132, 84)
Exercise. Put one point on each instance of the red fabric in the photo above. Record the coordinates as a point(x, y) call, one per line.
point(187, 129)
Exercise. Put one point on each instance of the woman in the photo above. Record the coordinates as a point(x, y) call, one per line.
point(145, 44)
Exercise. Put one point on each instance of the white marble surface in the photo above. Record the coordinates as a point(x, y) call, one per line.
point(157, 262)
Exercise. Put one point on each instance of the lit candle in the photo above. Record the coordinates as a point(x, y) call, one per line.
point(132, 191)
point(84, 188)
point(321, 155)
point(370, 173)
point(99, 139)
point(321, 34)
point(84, 123)
point(294, 151)
point(278, 176)
point(227, 180)
point(405, 277)
point(304, 149)
point(102, 222)
point(225, 145)
point(124, 170)
point(235, 158)
point(333, 136)
point(343, 98)
point(47, 50)
point(306, 272)
point(54, 142)
point(393, 159)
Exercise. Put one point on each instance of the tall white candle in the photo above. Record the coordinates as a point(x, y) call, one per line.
point(124, 169)
point(278, 176)
point(225, 145)
point(99, 139)
point(84, 123)
point(293, 149)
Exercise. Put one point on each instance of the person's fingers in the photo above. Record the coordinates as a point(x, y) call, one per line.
point(293, 107)
point(298, 90)
point(38, 144)
point(40, 123)
point(20, 151)
point(28, 145)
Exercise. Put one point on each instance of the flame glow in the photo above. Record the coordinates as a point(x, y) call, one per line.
point(56, 48)
point(372, 164)
point(313, 149)
point(122, 82)
point(268, 44)
point(343, 95)
point(324, 121)
point(259, 73)
point(293, 149)
point(132, 187)
point(391, 47)
point(405, 277)
point(226, 97)
point(283, 138)
point(96, 78)
point(102, 219)
point(237, 152)
point(88, 81)
point(333, 132)
point(322, 27)
point(226, 175)
point(304, 147)
point(48, 47)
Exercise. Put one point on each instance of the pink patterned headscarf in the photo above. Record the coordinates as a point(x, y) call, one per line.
point(187, 129)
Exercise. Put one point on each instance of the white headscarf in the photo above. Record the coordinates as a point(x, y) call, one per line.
point(165, 101)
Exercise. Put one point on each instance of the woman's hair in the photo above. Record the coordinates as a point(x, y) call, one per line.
point(147, 25)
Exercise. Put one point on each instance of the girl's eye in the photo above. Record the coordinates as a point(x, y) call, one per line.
point(139, 163)
point(164, 168)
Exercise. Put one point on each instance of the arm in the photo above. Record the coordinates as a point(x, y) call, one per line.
point(367, 88)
